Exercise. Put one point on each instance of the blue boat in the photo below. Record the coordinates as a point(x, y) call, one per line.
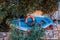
point(21, 24)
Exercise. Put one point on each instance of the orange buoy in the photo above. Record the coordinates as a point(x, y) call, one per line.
point(38, 12)
point(30, 24)
point(29, 17)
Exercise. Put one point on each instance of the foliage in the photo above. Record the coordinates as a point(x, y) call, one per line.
point(36, 33)
point(23, 7)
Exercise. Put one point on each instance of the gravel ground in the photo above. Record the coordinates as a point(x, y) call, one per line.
point(4, 36)
point(49, 34)
point(53, 34)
